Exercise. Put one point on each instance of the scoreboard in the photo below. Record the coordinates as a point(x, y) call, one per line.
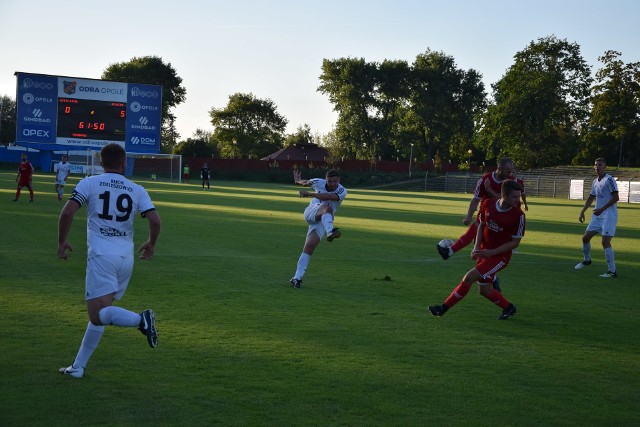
point(70, 111)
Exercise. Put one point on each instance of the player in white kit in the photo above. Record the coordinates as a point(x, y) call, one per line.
point(328, 196)
point(64, 169)
point(112, 202)
point(604, 190)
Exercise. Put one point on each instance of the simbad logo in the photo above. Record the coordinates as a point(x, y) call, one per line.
point(36, 117)
point(143, 120)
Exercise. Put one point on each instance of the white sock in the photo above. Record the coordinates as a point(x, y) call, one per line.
point(303, 263)
point(611, 262)
point(118, 316)
point(327, 221)
point(586, 251)
point(89, 343)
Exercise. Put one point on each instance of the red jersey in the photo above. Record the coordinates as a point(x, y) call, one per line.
point(501, 226)
point(25, 169)
point(494, 182)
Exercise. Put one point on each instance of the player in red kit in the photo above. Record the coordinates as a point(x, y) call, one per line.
point(500, 230)
point(25, 171)
point(488, 186)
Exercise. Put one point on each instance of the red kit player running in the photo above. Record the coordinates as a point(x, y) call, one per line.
point(488, 186)
point(500, 230)
point(25, 171)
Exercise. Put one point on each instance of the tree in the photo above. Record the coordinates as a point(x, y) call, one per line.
point(540, 106)
point(200, 145)
point(302, 135)
point(349, 84)
point(7, 120)
point(614, 125)
point(248, 127)
point(368, 97)
point(152, 70)
point(444, 102)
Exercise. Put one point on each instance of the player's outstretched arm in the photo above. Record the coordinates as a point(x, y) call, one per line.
point(297, 178)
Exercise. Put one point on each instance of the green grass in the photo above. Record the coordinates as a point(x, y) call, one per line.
point(239, 346)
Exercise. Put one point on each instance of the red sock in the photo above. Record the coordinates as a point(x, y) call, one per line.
point(468, 237)
point(458, 293)
point(497, 298)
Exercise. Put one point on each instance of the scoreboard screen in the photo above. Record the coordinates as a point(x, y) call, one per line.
point(54, 111)
point(91, 119)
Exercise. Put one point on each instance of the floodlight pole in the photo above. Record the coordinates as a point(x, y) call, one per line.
point(410, 158)
point(1, 103)
point(620, 156)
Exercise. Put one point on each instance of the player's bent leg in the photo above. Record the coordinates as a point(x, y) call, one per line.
point(94, 306)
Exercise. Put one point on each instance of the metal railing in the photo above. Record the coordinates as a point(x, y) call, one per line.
point(536, 185)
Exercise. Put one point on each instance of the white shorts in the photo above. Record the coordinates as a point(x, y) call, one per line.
point(603, 224)
point(310, 216)
point(60, 182)
point(108, 274)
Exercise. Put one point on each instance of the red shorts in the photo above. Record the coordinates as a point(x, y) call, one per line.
point(22, 182)
point(488, 267)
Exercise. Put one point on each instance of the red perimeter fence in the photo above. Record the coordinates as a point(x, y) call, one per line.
point(382, 166)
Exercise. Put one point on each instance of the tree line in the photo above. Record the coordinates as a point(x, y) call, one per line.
point(546, 110)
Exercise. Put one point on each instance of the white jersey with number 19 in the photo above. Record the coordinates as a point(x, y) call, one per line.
point(112, 202)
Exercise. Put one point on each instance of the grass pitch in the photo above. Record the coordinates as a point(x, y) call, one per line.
point(239, 346)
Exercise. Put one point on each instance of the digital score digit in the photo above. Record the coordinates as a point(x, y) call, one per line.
point(91, 119)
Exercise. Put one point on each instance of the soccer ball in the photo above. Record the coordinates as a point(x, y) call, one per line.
point(445, 243)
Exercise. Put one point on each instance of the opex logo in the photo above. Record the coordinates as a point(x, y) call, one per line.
point(38, 133)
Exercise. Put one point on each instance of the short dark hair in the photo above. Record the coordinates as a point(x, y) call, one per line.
point(504, 162)
point(601, 159)
point(112, 155)
point(509, 185)
point(333, 172)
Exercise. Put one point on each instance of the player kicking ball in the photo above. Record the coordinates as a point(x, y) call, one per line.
point(319, 214)
point(501, 227)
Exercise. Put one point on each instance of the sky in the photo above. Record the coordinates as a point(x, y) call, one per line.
point(274, 49)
